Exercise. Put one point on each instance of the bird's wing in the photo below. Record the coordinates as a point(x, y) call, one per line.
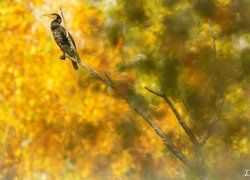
point(64, 36)
point(72, 40)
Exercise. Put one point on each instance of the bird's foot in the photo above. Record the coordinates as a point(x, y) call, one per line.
point(62, 57)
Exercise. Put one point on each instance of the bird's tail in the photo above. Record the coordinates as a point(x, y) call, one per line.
point(75, 66)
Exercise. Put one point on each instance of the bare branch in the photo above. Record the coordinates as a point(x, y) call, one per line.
point(177, 115)
point(91, 71)
point(67, 32)
point(69, 39)
point(64, 21)
point(163, 137)
point(212, 36)
point(108, 77)
point(212, 123)
point(142, 112)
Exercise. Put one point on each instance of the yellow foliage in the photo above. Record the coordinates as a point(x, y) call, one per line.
point(54, 121)
point(57, 123)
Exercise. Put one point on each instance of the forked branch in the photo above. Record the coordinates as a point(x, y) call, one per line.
point(177, 115)
point(142, 112)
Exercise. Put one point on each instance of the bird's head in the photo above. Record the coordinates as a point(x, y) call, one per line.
point(53, 16)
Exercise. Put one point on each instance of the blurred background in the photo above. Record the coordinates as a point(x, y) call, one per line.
point(58, 123)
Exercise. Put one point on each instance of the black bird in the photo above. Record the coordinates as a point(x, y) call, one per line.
point(60, 37)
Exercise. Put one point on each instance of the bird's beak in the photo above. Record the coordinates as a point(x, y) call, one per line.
point(48, 15)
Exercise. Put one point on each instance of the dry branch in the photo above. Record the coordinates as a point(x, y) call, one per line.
point(177, 115)
point(216, 115)
point(142, 112)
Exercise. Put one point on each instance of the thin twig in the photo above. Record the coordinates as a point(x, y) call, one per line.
point(185, 127)
point(142, 112)
point(64, 24)
point(69, 39)
point(177, 115)
point(212, 35)
point(214, 120)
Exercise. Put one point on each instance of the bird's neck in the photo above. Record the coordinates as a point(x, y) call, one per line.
point(55, 23)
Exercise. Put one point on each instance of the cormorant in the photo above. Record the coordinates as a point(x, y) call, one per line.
point(60, 37)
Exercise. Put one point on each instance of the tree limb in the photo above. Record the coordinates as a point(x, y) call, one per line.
point(177, 115)
point(161, 134)
point(142, 112)
point(92, 71)
point(215, 118)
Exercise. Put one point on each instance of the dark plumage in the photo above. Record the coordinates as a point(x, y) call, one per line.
point(60, 37)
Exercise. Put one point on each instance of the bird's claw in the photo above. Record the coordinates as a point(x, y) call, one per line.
point(62, 57)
